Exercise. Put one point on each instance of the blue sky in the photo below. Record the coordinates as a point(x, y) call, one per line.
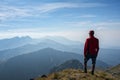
point(68, 18)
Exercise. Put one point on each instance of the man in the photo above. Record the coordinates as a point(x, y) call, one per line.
point(91, 49)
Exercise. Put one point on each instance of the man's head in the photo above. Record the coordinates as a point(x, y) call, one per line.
point(91, 33)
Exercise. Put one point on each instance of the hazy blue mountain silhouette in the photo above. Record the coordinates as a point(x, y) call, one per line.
point(110, 56)
point(64, 40)
point(9, 53)
point(14, 42)
point(23, 45)
point(70, 64)
point(23, 67)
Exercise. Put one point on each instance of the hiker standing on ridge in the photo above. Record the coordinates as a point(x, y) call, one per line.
point(91, 49)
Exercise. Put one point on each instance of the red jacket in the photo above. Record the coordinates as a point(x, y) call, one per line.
point(91, 46)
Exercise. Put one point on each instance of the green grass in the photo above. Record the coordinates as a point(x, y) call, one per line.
point(72, 74)
point(115, 71)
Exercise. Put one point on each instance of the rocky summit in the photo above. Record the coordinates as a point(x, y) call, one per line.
point(76, 74)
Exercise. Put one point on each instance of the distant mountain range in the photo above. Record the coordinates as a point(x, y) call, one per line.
point(24, 57)
point(110, 56)
point(23, 45)
point(33, 64)
point(40, 44)
point(14, 42)
point(25, 66)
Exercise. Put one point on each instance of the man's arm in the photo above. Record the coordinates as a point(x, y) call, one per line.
point(85, 47)
point(97, 46)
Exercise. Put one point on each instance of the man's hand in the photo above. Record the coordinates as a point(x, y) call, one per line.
point(85, 55)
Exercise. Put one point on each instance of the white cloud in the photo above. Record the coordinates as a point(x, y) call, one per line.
point(4, 25)
point(107, 24)
point(9, 11)
point(87, 16)
point(107, 37)
point(89, 5)
point(95, 25)
point(39, 32)
point(54, 6)
point(107, 32)
point(80, 24)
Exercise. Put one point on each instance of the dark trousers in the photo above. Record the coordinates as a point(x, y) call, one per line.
point(93, 58)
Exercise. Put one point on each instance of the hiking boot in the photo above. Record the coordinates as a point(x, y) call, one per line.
point(92, 72)
point(85, 70)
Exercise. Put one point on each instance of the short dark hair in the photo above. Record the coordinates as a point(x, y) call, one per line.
point(91, 32)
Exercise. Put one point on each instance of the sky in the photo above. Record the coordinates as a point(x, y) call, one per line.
point(71, 19)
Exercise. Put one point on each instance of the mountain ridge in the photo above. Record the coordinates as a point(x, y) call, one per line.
point(109, 56)
point(14, 42)
point(35, 63)
point(73, 63)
